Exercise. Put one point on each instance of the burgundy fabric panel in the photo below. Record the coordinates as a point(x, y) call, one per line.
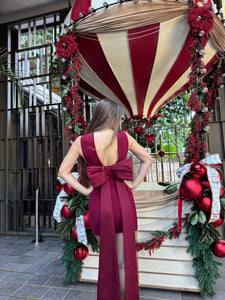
point(80, 6)
point(143, 47)
point(181, 64)
point(91, 89)
point(186, 86)
point(91, 51)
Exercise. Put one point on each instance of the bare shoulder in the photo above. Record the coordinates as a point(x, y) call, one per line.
point(131, 140)
point(76, 146)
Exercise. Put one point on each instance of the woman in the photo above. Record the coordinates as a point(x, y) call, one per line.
point(111, 206)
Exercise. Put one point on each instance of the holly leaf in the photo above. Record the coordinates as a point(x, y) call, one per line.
point(192, 216)
point(201, 217)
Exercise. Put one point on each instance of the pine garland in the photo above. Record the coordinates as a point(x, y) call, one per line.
point(159, 237)
point(200, 236)
point(78, 203)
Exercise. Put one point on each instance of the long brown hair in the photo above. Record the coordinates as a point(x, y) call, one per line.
point(107, 114)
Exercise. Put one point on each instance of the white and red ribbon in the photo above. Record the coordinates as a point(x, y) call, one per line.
point(214, 181)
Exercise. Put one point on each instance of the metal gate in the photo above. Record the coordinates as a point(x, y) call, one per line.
point(34, 124)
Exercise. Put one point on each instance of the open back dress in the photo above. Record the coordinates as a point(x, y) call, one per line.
point(112, 210)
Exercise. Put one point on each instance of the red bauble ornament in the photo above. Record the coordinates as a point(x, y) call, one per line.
point(206, 184)
point(222, 191)
point(205, 204)
point(139, 130)
point(219, 248)
point(73, 234)
point(81, 252)
point(218, 222)
point(150, 137)
point(198, 170)
point(65, 212)
point(86, 220)
point(58, 186)
point(191, 189)
point(68, 189)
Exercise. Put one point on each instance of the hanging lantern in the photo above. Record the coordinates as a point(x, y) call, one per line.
point(191, 189)
point(81, 252)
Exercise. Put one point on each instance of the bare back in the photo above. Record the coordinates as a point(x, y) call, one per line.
point(106, 148)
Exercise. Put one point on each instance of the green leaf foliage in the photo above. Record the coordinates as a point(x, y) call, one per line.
point(73, 266)
point(78, 203)
point(172, 188)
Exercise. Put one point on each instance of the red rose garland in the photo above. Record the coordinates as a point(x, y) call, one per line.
point(67, 51)
point(200, 20)
point(66, 46)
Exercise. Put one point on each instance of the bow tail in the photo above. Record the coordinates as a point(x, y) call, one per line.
point(108, 279)
point(131, 278)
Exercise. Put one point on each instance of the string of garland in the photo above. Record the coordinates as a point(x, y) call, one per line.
point(200, 20)
point(159, 237)
point(200, 236)
point(78, 204)
point(67, 52)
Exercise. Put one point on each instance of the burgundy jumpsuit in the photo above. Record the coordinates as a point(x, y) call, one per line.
point(112, 210)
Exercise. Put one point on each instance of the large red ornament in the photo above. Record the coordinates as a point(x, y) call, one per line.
point(87, 221)
point(219, 248)
point(73, 234)
point(222, 191)
point(191, 189)
point(206, 184)
point(81, 252)
point(218, 222)
point(58, 186)
point(138, 130)
point(205, 204)
point(65, 212)
point(198, 170)
point(68, 189)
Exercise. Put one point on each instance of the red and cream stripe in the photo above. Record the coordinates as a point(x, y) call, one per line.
point(142, 68)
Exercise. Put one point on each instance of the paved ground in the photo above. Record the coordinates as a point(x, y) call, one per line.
point(35, 272)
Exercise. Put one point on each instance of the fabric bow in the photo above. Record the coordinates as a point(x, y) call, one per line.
point(108, 280)
point(214, 180)
point(122, 170)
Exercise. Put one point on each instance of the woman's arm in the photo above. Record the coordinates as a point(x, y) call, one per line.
point(145, 159)
point(67, 165)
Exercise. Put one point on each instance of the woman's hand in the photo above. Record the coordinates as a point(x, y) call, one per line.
point(89, 190)
point(130, 184)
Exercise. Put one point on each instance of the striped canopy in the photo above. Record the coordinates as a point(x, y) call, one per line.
point(143, 68)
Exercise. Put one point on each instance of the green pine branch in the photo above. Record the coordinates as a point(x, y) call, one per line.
point(206, 268)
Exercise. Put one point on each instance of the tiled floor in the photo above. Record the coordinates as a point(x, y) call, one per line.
point(35, 272)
